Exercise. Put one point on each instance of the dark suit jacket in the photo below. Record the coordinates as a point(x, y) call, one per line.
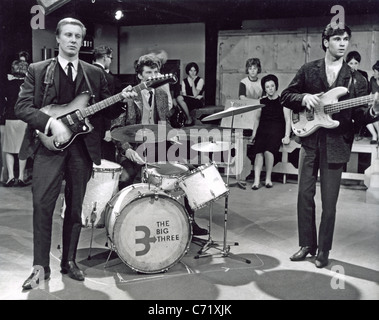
point(311, 79)
point(31, 98)
point(110, 78)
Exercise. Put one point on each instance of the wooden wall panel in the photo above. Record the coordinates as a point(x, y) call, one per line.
point(289, 51)
point(232, 53)
point(314, 48)
point(229, 84)
point(262, 46)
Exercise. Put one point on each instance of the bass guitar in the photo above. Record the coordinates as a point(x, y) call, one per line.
point(308, 121)
point(75, 114)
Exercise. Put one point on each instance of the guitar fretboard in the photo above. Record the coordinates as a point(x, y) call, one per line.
point(90, 110)
point(336, 107)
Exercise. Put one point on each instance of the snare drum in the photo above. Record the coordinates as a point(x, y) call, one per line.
point(102, 186)
point(203, 185)
point(149, 229)
point(165, 175)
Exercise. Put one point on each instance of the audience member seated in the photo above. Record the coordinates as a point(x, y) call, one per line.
point(249, 87)
point(192, 92)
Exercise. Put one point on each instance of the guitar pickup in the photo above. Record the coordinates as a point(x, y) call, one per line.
point(69, 119)
point(79, 115)
point(309, 114)
point(295, 117)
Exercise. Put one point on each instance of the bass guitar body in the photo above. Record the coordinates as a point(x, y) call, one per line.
point(307, 121)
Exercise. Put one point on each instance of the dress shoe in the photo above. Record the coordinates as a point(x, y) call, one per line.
point(269, 185)
point(22, 183)
point(33, 280)
point(322, 259)
point(72, 270)
point(10, 183)
point(302, 253)
point(254, 187)
point(198, 231)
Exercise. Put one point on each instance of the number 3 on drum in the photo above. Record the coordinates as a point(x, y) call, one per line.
point(145, 240)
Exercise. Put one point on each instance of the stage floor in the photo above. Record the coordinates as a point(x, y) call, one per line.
point(264, 224)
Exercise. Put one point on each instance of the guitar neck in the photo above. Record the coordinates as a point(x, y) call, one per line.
point(90, 110)
point(346, 104)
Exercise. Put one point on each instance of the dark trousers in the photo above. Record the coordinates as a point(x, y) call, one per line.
point(312, 159)
point(49, 170)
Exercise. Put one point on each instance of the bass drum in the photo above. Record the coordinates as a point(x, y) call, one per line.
point(149, 230)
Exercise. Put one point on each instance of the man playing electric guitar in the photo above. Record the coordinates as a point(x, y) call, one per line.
point(59, 81)
point(324, 149)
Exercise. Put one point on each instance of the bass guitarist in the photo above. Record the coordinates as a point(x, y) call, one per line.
point(326, 149)
point(59, 81)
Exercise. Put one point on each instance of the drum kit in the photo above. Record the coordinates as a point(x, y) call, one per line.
point(147, 223)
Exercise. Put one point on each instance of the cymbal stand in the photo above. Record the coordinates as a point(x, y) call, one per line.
point(240, 184)
point(144, 177)
point(225, 251)
point(93, 219)
point(209, 243)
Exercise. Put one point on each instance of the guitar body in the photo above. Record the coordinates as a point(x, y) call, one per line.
point(71, 115)
point(306, 122)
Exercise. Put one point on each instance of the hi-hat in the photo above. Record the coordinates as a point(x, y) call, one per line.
point(232, 111)
point(211, 146)
point(141, 132)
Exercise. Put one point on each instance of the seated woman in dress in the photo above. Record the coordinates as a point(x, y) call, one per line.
point(273, 129)
point(192, 91)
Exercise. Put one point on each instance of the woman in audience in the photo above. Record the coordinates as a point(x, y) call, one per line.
point(192, 91)
point(374, 87)
point(14, 129)
point(353, 59)
point(273, 129)
point(249, 87)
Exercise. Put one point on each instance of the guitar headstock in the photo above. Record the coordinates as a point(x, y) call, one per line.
point(155, 82)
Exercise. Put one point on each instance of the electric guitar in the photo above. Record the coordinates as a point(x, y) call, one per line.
point(308, 121)
point(75, 114)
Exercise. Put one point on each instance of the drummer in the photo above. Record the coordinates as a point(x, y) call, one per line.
point(149, 107)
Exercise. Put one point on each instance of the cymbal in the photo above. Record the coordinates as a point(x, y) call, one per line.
point(213, 146)
point(232, 111)
point(139, 132)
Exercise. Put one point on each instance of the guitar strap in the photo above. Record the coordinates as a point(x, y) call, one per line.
point(49, 75)
point(88, 84)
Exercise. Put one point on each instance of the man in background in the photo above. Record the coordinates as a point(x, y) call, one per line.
point(102, 58)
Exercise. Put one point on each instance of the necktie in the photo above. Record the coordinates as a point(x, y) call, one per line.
point(69, 72)
point(151, 99)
